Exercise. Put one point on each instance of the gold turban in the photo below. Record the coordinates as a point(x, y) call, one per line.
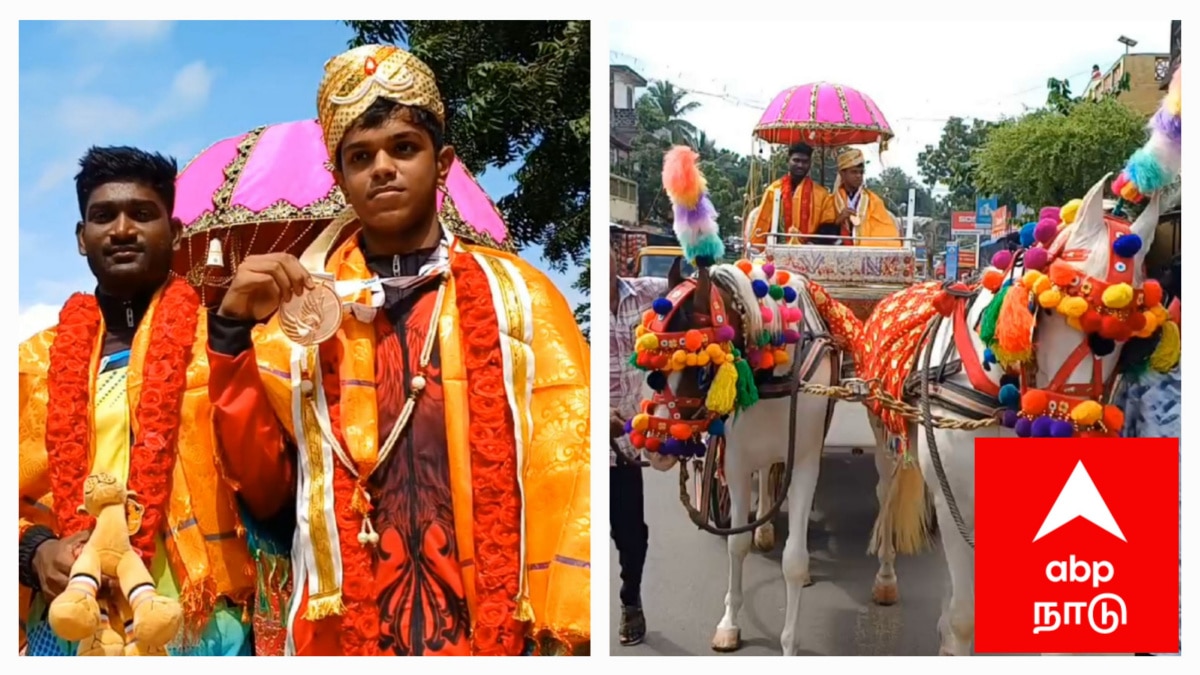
point(355, 79)
point(850, 158)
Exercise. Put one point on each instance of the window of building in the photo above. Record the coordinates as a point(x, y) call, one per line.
point(622, 189)
point(1161, 66)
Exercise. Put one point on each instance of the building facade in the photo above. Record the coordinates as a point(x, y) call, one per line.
point(623, 83)
point(623, 190)
point(1135, 80)
point(1176, 49)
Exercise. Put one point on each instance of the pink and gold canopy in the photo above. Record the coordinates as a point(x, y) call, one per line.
point(269, 190)
point(823, 114)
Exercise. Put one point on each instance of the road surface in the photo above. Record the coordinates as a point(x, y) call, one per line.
point(686, 570)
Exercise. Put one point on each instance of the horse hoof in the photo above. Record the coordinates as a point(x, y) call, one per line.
point(806, 580)
point(764, 538)
point(727, 640)
point(885, 594)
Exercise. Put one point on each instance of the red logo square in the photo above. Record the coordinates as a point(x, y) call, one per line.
point(1077, 545)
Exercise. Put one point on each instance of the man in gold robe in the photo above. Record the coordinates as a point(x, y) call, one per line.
point(860, 212)
point(119, 386)
point(804, 206)
point(436, 448)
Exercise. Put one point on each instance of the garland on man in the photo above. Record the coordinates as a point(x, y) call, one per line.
point(116, 388)
point(441, 436)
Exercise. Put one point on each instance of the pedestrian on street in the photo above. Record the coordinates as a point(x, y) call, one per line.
point(628, 301)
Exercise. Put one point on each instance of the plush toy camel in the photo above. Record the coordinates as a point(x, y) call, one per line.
point(76, 615)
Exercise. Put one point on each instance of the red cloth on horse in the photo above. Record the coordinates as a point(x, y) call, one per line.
point(889, 343)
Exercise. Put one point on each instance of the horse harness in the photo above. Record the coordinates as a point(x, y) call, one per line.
point(931, 384)
point(816, 343)
point(978, 401)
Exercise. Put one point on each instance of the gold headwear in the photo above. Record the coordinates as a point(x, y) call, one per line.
point(355, 79)
point(850, 158)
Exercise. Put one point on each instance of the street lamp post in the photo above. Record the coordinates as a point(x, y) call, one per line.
point(1128, 42)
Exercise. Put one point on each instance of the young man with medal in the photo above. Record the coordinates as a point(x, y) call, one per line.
point(861, 214)
point(119, 387)
point(419, 396)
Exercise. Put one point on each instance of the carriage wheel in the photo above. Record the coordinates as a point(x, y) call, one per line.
point(719, 503)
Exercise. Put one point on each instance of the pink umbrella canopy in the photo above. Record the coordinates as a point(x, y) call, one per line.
point(270, 190)
point(823, 114)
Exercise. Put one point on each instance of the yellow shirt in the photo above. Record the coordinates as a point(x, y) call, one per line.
point(873, 219)
point(819, 207)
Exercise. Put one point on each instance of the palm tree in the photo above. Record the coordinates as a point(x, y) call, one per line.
point(668, 101)
point(705, 146)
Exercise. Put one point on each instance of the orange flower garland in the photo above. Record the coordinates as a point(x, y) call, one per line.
point(493, 468)
point(164, 380)
point(785, 203)
point(360, 619)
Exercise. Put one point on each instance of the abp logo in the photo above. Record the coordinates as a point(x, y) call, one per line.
point(1077, 545)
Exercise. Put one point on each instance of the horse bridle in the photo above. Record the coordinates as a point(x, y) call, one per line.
point(672, 340)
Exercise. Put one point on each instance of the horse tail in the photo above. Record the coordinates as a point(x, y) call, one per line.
point(904, 512)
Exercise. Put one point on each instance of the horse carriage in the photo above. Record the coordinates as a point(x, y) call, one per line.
point(1036, 349)
point(826, 116)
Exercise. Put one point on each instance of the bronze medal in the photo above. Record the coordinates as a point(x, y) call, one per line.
point(312, 318)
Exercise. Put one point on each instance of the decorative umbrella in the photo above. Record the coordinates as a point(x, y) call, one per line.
point(823, 114)
point(270, 190)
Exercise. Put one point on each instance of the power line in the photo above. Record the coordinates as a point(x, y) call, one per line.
point(616, 56)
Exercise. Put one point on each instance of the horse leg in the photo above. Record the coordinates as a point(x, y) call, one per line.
point(957, 623)
point(795, 552)
point(728, 635)
point(886, 590)
point(764, 536)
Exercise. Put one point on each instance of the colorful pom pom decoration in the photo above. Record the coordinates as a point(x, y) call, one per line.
point(1158, 163)
point(695, 223)
point(731, 386)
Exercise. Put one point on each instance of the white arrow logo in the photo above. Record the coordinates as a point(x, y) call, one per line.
point(1080, 499)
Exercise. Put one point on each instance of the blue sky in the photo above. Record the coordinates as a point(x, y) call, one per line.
point(173, 87)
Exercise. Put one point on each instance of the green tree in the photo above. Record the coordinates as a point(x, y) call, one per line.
point(664, 98)
point(1059, 99)
point(583, 311)
point(515, 90)
point(893, 185)
point(1059, 96)
point(1046, 158)
point(950, 162)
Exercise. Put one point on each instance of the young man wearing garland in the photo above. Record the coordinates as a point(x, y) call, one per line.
point(119, 386)
point(807, 207)
point(440, 437)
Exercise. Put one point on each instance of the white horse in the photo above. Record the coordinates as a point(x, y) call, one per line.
point(756, 439)
point(1055, 341)
point(885, 590)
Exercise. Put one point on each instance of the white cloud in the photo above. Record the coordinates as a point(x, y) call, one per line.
point(918, 73)
point(36, 318)
point(53, 174)
point(98, 115)
point(94, 117)
point(189, 89)
point(116, 33)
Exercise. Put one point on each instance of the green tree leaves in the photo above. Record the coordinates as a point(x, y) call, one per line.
point(515, 89)
point(1045, 158)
